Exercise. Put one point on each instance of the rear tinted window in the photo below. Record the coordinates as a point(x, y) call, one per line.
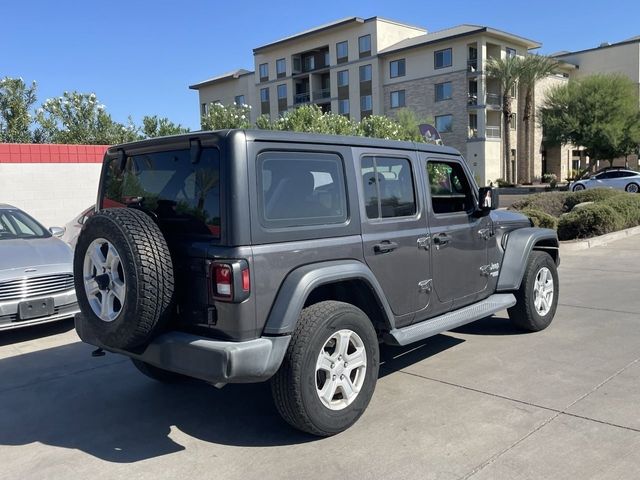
point(184, 196)
point(301, 188)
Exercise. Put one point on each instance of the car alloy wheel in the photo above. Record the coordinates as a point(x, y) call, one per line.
point(632, 188)
point(578, 187)
point(104, 280)
point(543, 291)
point(340, 369)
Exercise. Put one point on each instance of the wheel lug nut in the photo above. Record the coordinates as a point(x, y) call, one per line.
point(345, 364)
point(341, 377)
point(333, 365)
point(333, 378)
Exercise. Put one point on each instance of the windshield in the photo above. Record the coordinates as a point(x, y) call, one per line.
point(17, 224)
point(183, 196)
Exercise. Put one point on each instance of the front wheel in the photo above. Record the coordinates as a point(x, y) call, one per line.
point(537, 297)
point(578, 187)
point(330, 370)
point(632, 188)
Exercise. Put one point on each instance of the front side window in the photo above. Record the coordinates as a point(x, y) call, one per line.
point(388, 187)
point(282, 91)
point(342, 52)
point(343, 78)
point(183, 195)
point(301, 188)
point(449, 187)
point(443, 58)
point(397, 99)
point(364, 46)
point(264, 72)
point(397, 68)
point(365, 73)
point(15, 224)
point(444, 123)
point(281, 67)
point(239, 100)
point(443, 91)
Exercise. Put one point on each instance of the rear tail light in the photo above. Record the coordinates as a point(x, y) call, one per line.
point(230, 281)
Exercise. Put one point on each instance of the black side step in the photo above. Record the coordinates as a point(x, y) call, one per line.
point(451, 320)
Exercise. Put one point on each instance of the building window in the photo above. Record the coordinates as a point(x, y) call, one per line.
point(282, 91)
point(365, 73)
point(281, 68)
point(443, 58)
point(364, 46)
point(342, 52)
point(514, 121)
point(444, 123)
point(239, 100)
point(511, 52)
point(397, 99)
point(343, 78)
point(443, 91)
point(388, 187)
point(264, 72)
point(343, 107)
point(204, 108)
point(366, 103)
point(264, 94)
point(397, 68)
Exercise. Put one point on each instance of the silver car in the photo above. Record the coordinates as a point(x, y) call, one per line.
point(621, 179)
point(36, 272)
point(72, 228)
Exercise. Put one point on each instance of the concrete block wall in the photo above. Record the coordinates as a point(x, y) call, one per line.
point(53, 183)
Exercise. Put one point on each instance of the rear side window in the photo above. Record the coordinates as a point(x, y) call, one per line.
point(450, 189)
point(184, 196)
point(301, 188)
point(388, 187)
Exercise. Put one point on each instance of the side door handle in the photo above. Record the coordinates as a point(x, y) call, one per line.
point(385, 247)
point(441, 239)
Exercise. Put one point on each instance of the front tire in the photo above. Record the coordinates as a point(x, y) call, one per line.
point(578, 188)
point(330, 370)
point(632, 188)
point(537, 297)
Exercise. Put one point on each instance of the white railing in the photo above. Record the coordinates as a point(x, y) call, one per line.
point(492, 131)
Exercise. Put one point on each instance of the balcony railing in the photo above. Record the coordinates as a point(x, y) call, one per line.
point(322, 94)
point(493, 131)
point(301, 98)
point(473, 132)
point(493, 99)
point(472, 99)
point(472, 65)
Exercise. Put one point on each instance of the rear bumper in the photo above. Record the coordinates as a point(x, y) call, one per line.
point(213, 361)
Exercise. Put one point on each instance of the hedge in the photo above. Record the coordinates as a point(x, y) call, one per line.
point(541, 219)
point(590, 221)
point(551, 203)
point(592, 195)
point(627, 206)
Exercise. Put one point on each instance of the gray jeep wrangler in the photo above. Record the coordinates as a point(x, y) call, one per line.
point(243, 256)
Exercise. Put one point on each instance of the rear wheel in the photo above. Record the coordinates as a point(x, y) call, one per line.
point(330, 370)
point(632, 188)
point(537, 297)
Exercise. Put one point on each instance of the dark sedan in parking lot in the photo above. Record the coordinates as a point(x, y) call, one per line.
point(36, 272)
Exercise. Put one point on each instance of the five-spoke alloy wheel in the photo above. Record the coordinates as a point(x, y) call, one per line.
point(104, 279)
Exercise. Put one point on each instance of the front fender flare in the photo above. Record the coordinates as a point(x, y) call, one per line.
point(519, 245)
point(302, 281)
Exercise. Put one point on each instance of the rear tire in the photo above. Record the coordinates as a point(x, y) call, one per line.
point(632, 188)
point(158, 374)
point(537, 297)
point(316, 390)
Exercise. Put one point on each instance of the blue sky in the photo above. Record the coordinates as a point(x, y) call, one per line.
point(140, 56)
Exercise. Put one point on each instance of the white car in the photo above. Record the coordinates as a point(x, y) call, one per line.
point(621, 179)
point(72, 228)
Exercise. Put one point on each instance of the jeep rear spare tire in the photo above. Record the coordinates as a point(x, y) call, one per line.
point(123, 277)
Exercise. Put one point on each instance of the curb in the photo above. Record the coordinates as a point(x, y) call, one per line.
point(577, 245)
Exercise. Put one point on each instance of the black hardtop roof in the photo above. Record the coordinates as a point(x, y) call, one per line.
point(283, 137)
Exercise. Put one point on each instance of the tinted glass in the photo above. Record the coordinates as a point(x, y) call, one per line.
point(264, 94)
point(443, 91)
point(366, 103)
point(282, 91)
point(450, 189)
point(184, 196)
point(342, 50)
point(444, 123)
point(281, 66)
point(264, 70)
point(365, 73)
point(17, 224)
point(397, 99)
point(443, 58)
point(343, 78)
point(397, 68)
point(365, 44)
point(298, 189)
point(388, 187)
point(343, 106)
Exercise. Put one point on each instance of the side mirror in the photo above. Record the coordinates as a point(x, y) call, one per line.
point(592, 177)
point(488, 199)
point(57, 231)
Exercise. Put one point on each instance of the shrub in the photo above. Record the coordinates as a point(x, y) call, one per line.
point(594, 195)
point(627, 206)
point(541, 219)
point(502, 183)
point(549, 177)
point(219, 117)
point(551, 203)
point(590, 221)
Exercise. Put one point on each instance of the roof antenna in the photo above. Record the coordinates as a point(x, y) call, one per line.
point(195, 149)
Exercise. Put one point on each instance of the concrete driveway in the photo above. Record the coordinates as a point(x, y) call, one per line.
point(483, 402)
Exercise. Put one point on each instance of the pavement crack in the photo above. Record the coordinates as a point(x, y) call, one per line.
point(596, 308)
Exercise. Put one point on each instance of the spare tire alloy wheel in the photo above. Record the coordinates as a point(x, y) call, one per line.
point(341, 369)
point(104, 280)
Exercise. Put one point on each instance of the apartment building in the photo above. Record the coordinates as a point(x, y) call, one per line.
point(358, 67)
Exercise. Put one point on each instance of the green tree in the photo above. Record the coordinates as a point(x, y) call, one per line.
point(599, 112)
point(154, 126)
point(532, 69)
point(16, 99)
point(219, 117)
point(506, 71)
point(79, 118)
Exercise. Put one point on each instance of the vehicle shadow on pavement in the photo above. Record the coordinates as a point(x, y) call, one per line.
point(19, 335)
point(104, 407)
point(494, 325)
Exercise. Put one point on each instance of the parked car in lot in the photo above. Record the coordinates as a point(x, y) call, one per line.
point(621, 179)
point(72, 228)
point(36, 272)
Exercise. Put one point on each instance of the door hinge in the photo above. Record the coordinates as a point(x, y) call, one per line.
point(424, 242)
point(425, 285)
point(485, 233)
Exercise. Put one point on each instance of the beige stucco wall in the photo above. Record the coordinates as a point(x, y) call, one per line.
point(624, 59)
point(226, 90)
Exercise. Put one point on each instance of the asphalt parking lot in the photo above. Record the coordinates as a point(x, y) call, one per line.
point(483, 402)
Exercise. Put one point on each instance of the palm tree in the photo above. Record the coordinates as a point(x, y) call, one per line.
point(506, 71)
point(532, 69)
